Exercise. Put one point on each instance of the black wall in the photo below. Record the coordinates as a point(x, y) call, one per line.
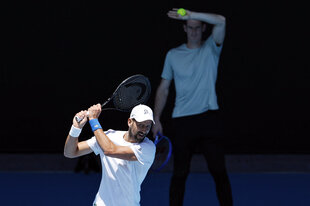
point(62, 56)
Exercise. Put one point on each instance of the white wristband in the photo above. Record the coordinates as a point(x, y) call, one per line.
point(75, 132)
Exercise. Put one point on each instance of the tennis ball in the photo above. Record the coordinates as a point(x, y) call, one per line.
point(181, 11)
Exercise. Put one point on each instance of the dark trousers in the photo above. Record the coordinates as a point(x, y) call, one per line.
point(202, 132)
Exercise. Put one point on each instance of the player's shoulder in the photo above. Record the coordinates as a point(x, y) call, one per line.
point(176, 51)
point(148, 142)
point(112, 132)
point(210, 42)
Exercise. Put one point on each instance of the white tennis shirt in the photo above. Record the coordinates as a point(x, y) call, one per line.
point(121, 179)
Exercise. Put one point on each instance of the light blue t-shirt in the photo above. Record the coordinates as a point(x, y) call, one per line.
point(194, 72)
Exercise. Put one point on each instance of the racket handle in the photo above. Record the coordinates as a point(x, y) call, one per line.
point(157, 139)
point(80, 119)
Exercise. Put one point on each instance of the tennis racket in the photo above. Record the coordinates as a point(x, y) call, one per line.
point(132, 91)
point(163, 152)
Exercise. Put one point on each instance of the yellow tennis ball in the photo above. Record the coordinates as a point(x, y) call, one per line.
point(181, 11)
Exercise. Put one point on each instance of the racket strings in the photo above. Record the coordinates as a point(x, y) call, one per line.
point(163, 152)
point(135, 91)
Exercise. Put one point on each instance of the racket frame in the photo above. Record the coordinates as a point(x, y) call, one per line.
point(159, 137)
point(113, 95)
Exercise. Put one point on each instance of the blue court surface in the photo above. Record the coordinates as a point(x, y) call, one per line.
point(251, 189)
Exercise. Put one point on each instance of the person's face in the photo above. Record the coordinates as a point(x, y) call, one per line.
point(194, 30)
point(139, 130)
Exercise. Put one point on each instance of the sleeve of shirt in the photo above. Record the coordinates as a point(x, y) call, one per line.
point(215, 48)
point(167, 71)
point(92, 143)
point(145, 152)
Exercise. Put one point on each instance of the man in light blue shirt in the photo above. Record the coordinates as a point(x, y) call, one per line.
point(193, 67)
point(194, 72)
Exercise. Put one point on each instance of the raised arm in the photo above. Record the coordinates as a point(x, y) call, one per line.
point(108, 147)
point(160, 102)
point(218, 22)
point(73, 148)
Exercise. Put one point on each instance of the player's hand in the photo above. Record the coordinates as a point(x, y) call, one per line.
point(94, 111)
point(157, 127)
point(173, 14)
point(82, 115)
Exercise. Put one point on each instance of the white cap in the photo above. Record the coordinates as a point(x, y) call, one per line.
point(142, 113)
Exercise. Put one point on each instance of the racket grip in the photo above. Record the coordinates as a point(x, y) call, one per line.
point(80, 119)
point(157, 139)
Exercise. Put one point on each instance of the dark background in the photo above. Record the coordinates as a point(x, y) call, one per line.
point(62, 56)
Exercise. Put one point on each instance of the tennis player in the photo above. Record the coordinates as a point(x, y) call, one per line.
point(126, 156)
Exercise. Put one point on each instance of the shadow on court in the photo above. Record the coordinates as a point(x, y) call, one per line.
point(63, 189)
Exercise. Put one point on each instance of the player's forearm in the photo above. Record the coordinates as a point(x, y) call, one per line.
point(218, 22)
point(71, 145)
point(104, 142)
point(112, 150)
point(209, 18)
